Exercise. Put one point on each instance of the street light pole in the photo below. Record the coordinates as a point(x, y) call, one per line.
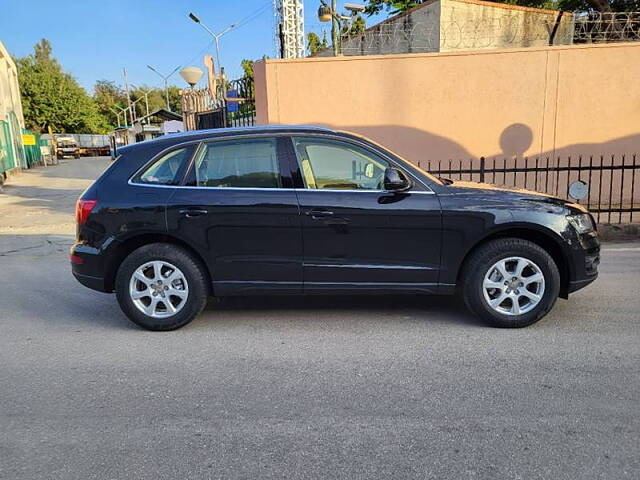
point(165, 79)
point(326, 14)
point(335, 27)
point(216, 36)
point(117, 115)
point(146, 98)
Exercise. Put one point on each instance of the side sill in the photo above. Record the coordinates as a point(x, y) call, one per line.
point(246, 288)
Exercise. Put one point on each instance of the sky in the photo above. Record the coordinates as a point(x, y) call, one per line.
point(95, 39)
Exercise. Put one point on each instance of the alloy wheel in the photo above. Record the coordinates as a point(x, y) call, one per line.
point(158, 289)
point(513, 286)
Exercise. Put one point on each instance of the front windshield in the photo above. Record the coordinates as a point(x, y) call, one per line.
point(410, 165)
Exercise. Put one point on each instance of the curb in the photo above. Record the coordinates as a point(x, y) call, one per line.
point(619, 233)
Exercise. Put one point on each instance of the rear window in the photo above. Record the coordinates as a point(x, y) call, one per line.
point(247, 163)
point(168, 169)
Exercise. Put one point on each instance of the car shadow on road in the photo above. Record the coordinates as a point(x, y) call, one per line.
point(359, 308)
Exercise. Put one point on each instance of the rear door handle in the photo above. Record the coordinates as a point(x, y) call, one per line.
point(319, 214)
point(193, 212)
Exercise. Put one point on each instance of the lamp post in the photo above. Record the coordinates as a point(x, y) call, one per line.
point(123, 111)
point(216, 36)
point(117, 115)
point(165, 79)
point(146, 98)
point(328, 14)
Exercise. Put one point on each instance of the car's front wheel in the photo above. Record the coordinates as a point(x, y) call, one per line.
point(161, 287)
point(510, 282)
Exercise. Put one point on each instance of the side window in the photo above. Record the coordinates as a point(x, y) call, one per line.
point(333, 165)
point(249, 163)
point(165, 170)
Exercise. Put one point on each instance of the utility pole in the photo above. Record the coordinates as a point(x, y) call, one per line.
point(126, 89)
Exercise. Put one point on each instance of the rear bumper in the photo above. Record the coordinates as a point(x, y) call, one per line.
point(94, 283)
point(88, 266)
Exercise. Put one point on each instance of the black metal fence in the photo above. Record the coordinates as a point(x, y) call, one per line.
point(235, 106)
point(241, 112)
point(613, 180)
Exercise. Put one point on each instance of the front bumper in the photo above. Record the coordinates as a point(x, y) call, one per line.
point(576, 285)
point(585, 261)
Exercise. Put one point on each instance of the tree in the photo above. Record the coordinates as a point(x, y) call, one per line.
point(175, 99)
point(108, 97)
point(52, 97)
point(354, 26)
point(247, 68)
point(314, 44)
point(42, 50)
point(391, 6)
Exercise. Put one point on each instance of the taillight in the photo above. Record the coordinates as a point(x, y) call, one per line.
point(83, 209)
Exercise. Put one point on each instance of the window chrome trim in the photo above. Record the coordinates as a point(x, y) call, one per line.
point(272, 189)
point(362, 190)
point(328, 134)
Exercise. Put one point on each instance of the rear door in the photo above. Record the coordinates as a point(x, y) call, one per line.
point(356, 235)
point(239, 210)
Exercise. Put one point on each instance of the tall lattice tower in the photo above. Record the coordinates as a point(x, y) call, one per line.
point(289, 31)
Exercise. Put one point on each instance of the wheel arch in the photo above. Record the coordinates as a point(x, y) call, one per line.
point(124, 248)
point(544, 238)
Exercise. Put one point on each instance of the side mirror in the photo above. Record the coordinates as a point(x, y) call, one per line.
point(395, 181)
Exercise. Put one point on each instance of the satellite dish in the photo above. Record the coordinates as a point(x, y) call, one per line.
point(578, 189)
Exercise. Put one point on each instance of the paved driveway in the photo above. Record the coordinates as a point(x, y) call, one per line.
point(302, 388)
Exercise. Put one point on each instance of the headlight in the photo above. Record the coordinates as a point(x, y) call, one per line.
point(582, 222)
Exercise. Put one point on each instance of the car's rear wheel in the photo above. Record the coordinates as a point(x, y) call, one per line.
point(161, 287)
point(510, 282)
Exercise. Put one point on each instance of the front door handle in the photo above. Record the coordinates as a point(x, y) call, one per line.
point(193, 212)
point(319, 214)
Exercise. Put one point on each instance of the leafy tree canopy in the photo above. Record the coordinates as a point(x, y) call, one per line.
point(314, 44)
point(52, 97)
point(247, 66)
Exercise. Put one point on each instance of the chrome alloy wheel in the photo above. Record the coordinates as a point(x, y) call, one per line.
point(513, 286)
point(158, 289)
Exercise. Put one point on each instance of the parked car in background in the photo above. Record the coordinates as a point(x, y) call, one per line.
point(67, 147)
point(291, 210)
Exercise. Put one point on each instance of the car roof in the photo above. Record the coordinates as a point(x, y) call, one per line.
point(173, 138)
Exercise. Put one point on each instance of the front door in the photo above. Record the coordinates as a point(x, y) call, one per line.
point(238, 209)
point(356, 235)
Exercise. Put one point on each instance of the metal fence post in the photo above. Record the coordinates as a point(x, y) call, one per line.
point(482, 163)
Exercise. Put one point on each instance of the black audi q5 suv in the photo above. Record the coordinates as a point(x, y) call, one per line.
point(300, 210)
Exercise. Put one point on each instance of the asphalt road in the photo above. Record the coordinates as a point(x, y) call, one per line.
point(302, 388)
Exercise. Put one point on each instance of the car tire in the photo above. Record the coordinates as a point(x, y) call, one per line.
point(520, 298)
point(170, 287)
